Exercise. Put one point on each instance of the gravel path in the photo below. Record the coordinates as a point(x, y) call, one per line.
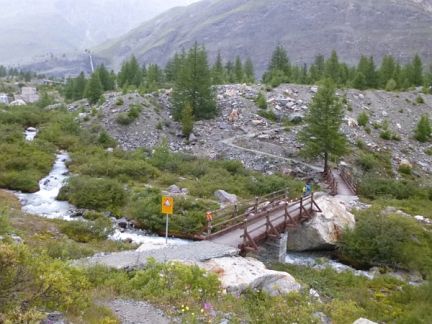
point(194, 252)
point(137, 312)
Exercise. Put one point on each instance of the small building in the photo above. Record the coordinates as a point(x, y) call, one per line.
point(29, 94)
point(4, 98)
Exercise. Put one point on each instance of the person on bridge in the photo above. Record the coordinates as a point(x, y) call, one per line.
point(307, 189)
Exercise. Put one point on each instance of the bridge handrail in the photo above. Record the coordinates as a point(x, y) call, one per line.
point(331, 181)
point(349, 180)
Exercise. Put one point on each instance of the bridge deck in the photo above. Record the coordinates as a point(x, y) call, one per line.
point(247, 230)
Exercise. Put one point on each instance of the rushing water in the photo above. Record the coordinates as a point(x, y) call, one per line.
point(318, 260)
point(30, 133)
point(44, 203)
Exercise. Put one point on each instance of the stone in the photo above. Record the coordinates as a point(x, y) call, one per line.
point(296, 118)
point(363, 321)
point(314, 89)
point(258, 122)
point(192, 138)
point(225, 197)
point(122, 223)
point(234, 116)
point(238, 274)
point(324, 229)
point(174, 189)
point(405, 163)
point(54, 318)
point(322, 318)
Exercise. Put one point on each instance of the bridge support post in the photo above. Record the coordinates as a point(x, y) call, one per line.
point(273, 249)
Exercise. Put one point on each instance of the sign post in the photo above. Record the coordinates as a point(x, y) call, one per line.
point(167, 209)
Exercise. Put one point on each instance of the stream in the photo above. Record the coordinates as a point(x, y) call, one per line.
point(43, 203)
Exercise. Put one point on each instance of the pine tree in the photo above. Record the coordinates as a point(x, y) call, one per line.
point(423, 130)
point(359, 81)
point(321, 135)
point(416, 77)
point(229, 71)
point(79, 86)
point(218, 72)
point(386, 71)
point(238, 70)
point(105, 78)
point(154, 78)
point(194, 86)
point(249, 71)
point(94, 90)
point(187, 120)
point(317, 69)
point(279, 70)
point(332, 67)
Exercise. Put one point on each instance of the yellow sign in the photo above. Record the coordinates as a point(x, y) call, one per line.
point(167, 205)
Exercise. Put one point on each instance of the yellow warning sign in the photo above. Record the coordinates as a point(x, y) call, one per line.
point(167, 205)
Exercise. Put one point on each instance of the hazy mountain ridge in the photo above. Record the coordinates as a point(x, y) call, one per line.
point(253, 28)
point(35, 28)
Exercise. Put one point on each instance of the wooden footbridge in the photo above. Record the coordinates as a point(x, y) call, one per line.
point(246, 226)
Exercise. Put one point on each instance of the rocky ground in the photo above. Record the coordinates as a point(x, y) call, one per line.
point(240, 133)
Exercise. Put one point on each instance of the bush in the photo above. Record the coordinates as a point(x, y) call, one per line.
point(119, 102)
point(375, 187)
point(267, 114)
point(123, 119)
point(405, 169)
point(420, 100)
point(363, 119)
point(91, 193)
point(367, 162)
point(86, 231)
point(261, 101)
point(387, 241)
point(423, 130)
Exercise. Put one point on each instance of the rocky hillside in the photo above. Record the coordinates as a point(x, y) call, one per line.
point(254, 27)
point(241, 133)
point(64, 26)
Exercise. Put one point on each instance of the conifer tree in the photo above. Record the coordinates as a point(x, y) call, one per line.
point(322, 136)
point(423, 130)
point(317, 69)
point(332, 67)
point(386, 71)
point(105, 78)
point(416, 77)
point(238, 70)
point(249, 71)
point(279, 70)
point(187, 120)
point(218, 72)
point(93, 90)
point(194, 86)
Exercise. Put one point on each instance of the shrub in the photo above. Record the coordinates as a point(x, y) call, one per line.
point(376, 187)
point(261, 101)
point(86, 231)
point(119, 102)
point(405, 169)
point(106, 140)
point(123, 119)
point(420, 100)
point(387, 240)
point(367, 162)
point(92, 193)
point(363, 119)
point(391, 85)
point(270, 115)
point(423, 130)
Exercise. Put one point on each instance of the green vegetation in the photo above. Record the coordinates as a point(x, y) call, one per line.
point(347, 297)
point(193, 86)
point(363, 119)
point(322, 136)
point(261, 101)
point(379, 240)
point(130, 116)
point(423, 130)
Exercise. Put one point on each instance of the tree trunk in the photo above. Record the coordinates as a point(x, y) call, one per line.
point(325, 161)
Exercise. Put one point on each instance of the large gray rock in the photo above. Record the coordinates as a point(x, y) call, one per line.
point(225, 197)
point(364, 321)
point(238, 274)
point(324, 229)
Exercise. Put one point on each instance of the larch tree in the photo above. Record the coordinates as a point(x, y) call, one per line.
point(93, 90)
point(322, 136)
point(194, 86)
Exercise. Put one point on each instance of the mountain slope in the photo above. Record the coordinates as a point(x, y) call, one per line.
point(31, 28)
point(254, 27)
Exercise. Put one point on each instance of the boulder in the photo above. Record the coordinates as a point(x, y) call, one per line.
point(324, 229)
point(238, 274)
point(363, 321)
point(225, 197)
point(405, 164)
point(174, 190)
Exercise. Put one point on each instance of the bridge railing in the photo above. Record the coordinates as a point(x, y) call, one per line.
point(294, 213)
point(348, 178)
point(331, 181)
point(229, 217)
